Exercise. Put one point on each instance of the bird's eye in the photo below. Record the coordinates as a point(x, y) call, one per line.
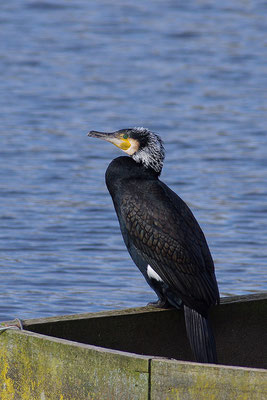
point(125, 136)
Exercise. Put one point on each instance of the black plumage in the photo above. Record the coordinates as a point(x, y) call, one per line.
point(162, 235)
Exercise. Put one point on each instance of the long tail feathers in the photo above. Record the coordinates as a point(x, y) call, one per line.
point(200, 336)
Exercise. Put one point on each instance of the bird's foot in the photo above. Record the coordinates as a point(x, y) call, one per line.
point(161, 303)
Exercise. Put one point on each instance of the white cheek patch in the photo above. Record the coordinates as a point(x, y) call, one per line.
point(133, 148)
point(152, 274)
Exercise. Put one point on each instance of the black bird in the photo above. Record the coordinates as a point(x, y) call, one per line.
point(162, 235)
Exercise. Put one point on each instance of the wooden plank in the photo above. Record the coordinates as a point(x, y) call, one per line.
point(36, 367)
point(146, 331)
point(176, 380)
point(240, 328)
point(240, 324)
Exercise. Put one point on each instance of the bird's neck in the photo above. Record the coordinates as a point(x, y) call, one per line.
point(123, 169)
point(150, 157)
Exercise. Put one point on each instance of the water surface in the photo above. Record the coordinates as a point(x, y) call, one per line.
point(195, 72)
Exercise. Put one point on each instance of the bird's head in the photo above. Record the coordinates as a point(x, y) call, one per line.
point(142, 145)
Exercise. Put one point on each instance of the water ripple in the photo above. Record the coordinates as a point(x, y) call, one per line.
point(196, 73)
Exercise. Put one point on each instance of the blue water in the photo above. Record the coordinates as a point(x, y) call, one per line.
point(195, 72)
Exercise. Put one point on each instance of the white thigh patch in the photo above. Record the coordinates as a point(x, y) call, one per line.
point(152, 274)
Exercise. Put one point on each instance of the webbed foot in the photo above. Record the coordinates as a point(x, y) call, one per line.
point(160, 303)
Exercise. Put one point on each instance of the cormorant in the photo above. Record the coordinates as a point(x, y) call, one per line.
point(162, 235)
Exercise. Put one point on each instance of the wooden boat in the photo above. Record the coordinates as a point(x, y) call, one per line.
point(140, 353)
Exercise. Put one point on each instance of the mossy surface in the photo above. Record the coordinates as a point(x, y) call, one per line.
point(33, 367)
point(50, 359)
point(171, 380)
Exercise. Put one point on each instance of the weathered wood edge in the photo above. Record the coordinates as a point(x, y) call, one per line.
point(125, 353)
point(35, 366)
point(131, 311)
point(72, 343)
point(178, 380)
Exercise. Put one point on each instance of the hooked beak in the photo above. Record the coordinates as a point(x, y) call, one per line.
point(101, 135)
point(108, 136)
point(112, 137)
point(130, 146)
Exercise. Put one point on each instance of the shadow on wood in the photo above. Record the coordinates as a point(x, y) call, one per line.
point(240, 326)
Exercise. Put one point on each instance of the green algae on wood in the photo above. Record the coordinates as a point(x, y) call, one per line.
point(172, 380)
point(36, 367)
point(70, 357)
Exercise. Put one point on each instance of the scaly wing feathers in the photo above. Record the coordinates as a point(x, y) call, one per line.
point(170, 239)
